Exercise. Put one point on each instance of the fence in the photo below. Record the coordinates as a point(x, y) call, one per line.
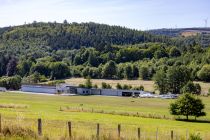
point(55, 129)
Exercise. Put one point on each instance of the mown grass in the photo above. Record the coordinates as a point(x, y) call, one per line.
point(84, 123)
point(148, 84)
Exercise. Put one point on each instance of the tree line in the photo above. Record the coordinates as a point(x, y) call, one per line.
point(40, 52)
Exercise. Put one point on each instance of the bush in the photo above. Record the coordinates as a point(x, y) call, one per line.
point(139, 88)
point(119, 86)
point(88, 83)
point(127, 87)
point(19, 132)
point(105, 85)
point(195, 137)
point(190, 87)
point(95, 86)
point(34, 78)
point(81, 85)
point(13, 82)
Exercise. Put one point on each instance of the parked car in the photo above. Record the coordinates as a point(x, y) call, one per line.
point(169, 96)
point(147, 95)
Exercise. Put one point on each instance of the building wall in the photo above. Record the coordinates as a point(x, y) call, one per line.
point(96, 91)
point(39, 89)
point(108, 92)
point(111, 92)
point(83, 91)
point(66, 88)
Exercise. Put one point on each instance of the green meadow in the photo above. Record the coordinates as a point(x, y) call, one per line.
point(150, 115)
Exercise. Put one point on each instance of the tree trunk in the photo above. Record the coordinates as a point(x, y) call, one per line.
point(187, 117)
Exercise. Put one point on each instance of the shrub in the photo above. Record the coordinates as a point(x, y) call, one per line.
point(195, 137)
point(141, 87)
point(127, 87)
point(190, 87)
point(81, 85)
point(13, 82)
point(88, 83)
point(19, 132)
point(119, 86)
point(105, 85)
point(95, 86)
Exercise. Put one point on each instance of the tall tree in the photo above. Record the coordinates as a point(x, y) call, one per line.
point(128, 71)
point(144, 72)
point(12, 67)
point(188, 105)
point(161, 81)
point(177, 78)
point(110, 70)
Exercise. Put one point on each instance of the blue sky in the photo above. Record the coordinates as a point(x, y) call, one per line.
point(138, 14)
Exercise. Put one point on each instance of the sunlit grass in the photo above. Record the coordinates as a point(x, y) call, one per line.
point(84, 123)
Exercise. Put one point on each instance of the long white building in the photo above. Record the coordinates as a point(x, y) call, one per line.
point(69, 89)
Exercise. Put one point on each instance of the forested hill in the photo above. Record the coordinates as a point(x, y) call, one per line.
point(39, 52)
point(73, 36)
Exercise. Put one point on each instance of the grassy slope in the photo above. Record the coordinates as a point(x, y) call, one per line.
point(47, 107)
point(148, 85)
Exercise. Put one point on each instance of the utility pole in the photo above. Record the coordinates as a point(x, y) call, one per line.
point(206, 22)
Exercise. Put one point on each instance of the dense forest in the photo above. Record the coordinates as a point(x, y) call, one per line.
point(39, 52)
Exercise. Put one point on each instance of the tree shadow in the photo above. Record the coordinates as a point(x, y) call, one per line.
point(194, 121)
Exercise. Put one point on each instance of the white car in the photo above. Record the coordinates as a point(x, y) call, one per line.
point(3, 89)
point(147, 95)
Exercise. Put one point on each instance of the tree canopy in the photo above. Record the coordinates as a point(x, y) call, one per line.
point(188, 105)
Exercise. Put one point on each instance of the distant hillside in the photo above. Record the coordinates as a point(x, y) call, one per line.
point(199, 35)
point(179, 31)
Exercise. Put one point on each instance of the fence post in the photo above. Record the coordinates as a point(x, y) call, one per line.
point(187, 134)
point(69, 127)
point(98, 131)
point(119, 129)
point(40, 127)
point(139, 133)
point(0, 124)
point(172, 134)
point(157, 134)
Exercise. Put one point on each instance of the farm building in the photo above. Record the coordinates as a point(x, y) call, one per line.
point(69, 89)
point(66, 88)
point(39, 88)
point(109, 92)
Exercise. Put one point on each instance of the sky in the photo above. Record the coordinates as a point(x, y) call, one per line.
point(136, 14)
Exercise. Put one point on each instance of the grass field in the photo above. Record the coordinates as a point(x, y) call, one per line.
point(148, 85)
point(24, 109)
